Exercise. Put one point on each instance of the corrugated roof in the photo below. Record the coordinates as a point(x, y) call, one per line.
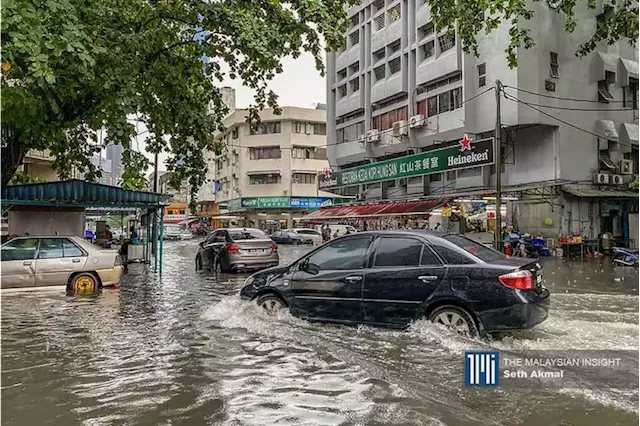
point(400, 208)
point(79, 193)
point(600, 193)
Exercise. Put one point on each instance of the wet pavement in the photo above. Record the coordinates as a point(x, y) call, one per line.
point(185, 350)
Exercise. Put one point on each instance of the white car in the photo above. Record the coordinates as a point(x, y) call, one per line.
point(176, 232)
point(315, 236)
point(340, 230)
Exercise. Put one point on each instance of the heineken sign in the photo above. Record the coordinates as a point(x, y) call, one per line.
point(468, 153)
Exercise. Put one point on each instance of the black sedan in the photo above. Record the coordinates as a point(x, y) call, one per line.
point(392, 278)
point(288, 237)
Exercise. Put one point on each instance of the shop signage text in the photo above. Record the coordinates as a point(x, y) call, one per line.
point(256, 203)
point(467, 154)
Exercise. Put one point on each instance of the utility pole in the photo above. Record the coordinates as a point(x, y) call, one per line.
point(154, 230)
point(498, 165)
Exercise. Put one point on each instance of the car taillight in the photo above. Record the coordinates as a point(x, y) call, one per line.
point(274, 247)
point(519, 280)
point(232, 248)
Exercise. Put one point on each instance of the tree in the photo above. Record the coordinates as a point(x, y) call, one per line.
point(71, 68)
point(618, 21)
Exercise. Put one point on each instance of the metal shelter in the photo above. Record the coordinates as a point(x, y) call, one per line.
point(94, 198)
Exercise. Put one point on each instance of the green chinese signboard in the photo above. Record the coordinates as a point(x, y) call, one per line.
point(265, 203)
point(469, 153)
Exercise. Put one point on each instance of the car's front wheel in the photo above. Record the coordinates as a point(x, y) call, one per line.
point(455, 318)
point(271, 303)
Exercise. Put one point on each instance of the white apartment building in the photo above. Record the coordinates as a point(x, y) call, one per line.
point(269, 177)
point(563, 159)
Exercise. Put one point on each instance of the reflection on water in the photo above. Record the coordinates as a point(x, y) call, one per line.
point(184, 349)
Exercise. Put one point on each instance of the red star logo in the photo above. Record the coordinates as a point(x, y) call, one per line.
point(465, 144)
point(327, 173)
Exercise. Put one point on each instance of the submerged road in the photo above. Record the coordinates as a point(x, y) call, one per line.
point(184, 349)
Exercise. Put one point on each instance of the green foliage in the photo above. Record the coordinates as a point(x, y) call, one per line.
point(634, 184)
point(22, 178)
point(72, 68)
point(620, 22)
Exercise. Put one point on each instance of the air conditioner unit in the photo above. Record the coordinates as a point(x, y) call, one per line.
point(400, 128)
point(373, 135)
point(360, 197)
point(626, 167)
point(601, 178)
point(617, 180)
point(416, 121)
point(403, 182)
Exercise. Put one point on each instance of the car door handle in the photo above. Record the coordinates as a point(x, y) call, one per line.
point(27, 263)
point(428, 277)
point(76, 260)
point(353, 279)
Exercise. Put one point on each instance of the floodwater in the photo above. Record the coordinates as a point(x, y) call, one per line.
point(184, 349)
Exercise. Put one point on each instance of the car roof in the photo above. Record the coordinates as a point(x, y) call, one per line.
point(422, 232)
point(240, 229)
point(45, 236)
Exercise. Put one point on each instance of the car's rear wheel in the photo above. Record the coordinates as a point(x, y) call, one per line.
point(271, 303)
point(83, 285)
point(455, 318)
point(198, 263)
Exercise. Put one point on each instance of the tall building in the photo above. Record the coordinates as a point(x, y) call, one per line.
point(401, 87)
point(268, 177)
point(114, 153)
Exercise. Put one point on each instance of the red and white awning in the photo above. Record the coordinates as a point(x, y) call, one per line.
point(371, 211)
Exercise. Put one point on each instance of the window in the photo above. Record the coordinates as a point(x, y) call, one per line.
point(379, 72)
point(436, 177)
point(354, 37)
point(342, 90)
point(470, 172)
point(456, 98)
point(23, 249)
point(451, 175)
point(341, 255)
point(398, 252)
point(385, 120)
point(309, 128)
point(267, 128)
point(342, 74)
point(304, 178)
point(428, 49)
point(181, 211)
point(444, 102)
point(481, 16)
point(355, 84)
point(482, 74)
point(394, 66)
point(265, 179)
point(421, 107)
point(432, 106)
point(379, 22)
point(480, 251)
point(247, 234)
point(395, 46)
point(446, 42)
point(266, 153)
point(603, 92)
point(394, 13)
point(349, 133)
point(425, 30)
point(378, 5)
point(452, 254)
point(355, 20)
point(429, 258)
point(378, 55)
point(630, 94)
point(555, 72)
point(234, 133)
point(50, 248)
point(355, 67)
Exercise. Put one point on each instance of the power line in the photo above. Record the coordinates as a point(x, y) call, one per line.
point(556, 97)
point(511, 98)
point(361, 139)
point(578, 109)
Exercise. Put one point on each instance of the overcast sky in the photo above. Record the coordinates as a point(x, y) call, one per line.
point(299, 85)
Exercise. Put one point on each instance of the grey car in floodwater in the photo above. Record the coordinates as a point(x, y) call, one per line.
point(237, 249)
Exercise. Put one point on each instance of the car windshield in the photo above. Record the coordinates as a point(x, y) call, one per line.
point(173, 229)
point(247, 234)
point(480, 251)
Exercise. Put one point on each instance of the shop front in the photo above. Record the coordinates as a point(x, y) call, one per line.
point(273, 213)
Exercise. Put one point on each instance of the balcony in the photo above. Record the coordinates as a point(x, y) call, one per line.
point(39, 155)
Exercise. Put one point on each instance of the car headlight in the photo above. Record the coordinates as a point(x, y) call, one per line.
point(249, 280)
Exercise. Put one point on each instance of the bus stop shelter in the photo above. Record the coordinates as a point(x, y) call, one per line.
point(61, 207)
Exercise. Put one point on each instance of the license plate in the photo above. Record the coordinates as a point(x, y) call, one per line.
point(256, 251)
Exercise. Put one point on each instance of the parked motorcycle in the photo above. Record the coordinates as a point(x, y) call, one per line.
point(624, 256)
